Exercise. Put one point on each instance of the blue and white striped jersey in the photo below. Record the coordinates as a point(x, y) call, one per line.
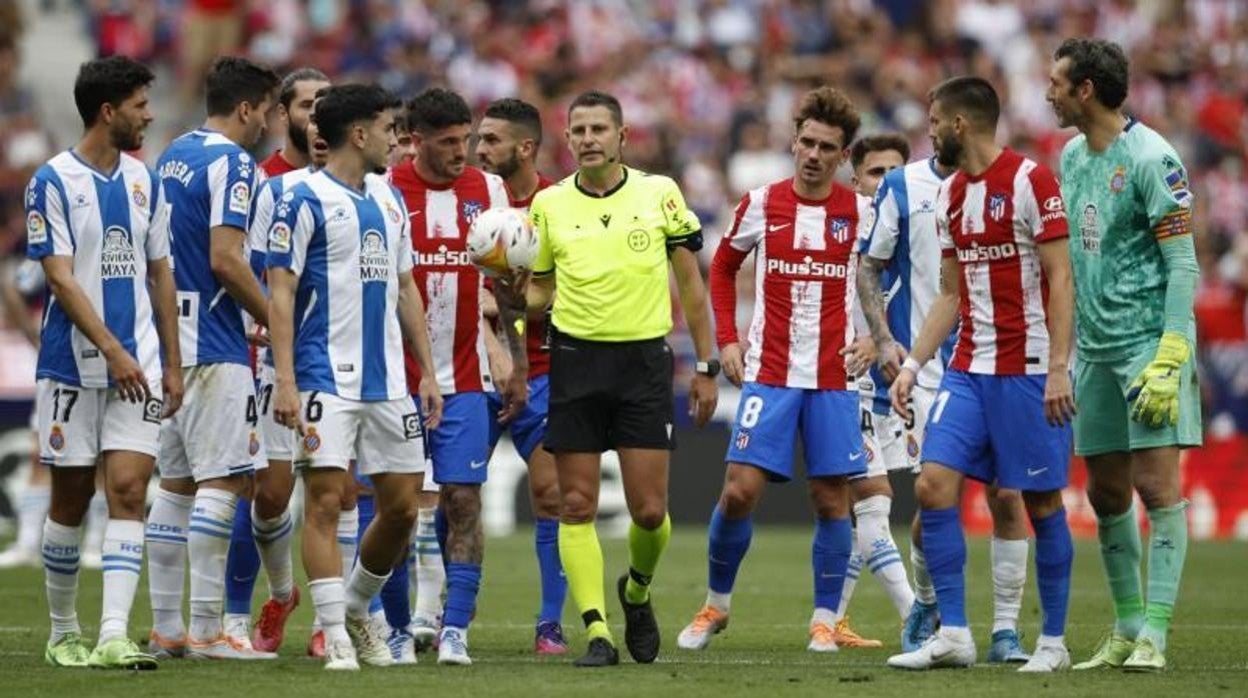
point(267, 195)
point(904, 235)
point(348, 249)
point(103, 221)
point(207, 181)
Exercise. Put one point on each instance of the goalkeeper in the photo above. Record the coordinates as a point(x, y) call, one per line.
point(1129, 204)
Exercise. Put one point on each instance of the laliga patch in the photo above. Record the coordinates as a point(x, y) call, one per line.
point(411, 426)
point(240, 198)
point(279, 238)
point(152, 409)
point(311, 440)
point(36, 228)
point(56, 438)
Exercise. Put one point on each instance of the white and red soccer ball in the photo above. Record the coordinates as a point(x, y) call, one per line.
point(502, 241)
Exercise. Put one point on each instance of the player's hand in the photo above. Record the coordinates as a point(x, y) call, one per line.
point(1155, 391)
point(1059, 398)
point(509, 289)
point(899, 392)
point(128, 376)
point(515, 394)
point(259, 338)
point(171, 384)
point(859, 355)
point(891, 356)
point(430, 402)
point(287, 407)
point(703, 396)
point(731, 362)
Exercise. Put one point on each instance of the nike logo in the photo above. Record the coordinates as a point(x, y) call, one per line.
point(855, 456)
point(777, 226)
point(413, 214)
point(825, 575)
point(940, 656)
point(477, 464)
point(1032, 472)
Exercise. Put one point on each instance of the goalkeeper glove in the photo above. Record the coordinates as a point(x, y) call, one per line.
point(1155, 391)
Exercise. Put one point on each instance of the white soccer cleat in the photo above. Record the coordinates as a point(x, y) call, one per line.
point(370, 641)
point(942, 651)
point(822, 638)
point(424, 633)
point(402, 647)
point(238, 628)
point(453, 648)
point(225, 647)
point(1047, 659)
point(708, 622)
point(340, 656)
point(17, 556)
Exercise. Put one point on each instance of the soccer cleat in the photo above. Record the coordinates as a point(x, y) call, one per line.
point(548, 638)
point(272, 624)
point(453, 648)
point(1110, 654)
point(402, 648)
point(316, 644)
point(822, 638)
point(1006, 648)
point(69, 651)
point(424, 633)
point(162, 647)
point(939, 652)
point(120, 653)
point(846, 637)
point(1145, 657)
point(17, 556)
point(919, 626)
point(707, 622)
point(369, 640)
point(641, 630)
point(600, 653)
point(225, 647)
point(339, 656)
point(238, 627)
point(1047, 659)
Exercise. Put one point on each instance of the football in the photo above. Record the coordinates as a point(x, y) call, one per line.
point(501, 241)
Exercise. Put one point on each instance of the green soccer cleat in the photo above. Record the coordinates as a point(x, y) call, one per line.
point(1145, 657)
point(120, 653)
point(1110, 654)
point(69, 651)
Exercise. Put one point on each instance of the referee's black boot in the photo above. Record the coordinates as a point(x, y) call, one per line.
point(641, 630)
point(600, 653)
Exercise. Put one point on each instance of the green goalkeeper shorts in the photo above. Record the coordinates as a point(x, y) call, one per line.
point(1103, 421)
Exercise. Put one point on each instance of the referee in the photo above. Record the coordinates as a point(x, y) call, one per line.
point(608, 233)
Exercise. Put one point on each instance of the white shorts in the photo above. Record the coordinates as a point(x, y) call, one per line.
point(891, 442)
point(382, 436)
point(278, 441)
point(77, 424)
point(213, 435)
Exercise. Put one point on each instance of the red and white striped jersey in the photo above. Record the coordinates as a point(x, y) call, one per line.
point(535, 332)
point(805, 263)
point(993, 223)
point(449, 283)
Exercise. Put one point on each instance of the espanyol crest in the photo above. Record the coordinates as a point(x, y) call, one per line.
point(996, 206)
point(470, 210)
point(839, 229)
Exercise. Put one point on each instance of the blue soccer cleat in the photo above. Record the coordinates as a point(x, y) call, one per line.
point(919, 626)
point(1006, 648)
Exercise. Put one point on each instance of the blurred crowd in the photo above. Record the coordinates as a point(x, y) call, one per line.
point(708, 87)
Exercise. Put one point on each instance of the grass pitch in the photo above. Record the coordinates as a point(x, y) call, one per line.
point(761, 654)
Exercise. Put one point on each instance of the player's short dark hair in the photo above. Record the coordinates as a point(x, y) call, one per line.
point(598, 98)
point(974, 97)
point(830, 106)
point(344, 105)
point(1100, 61)
point(232, 81)
point(878, 143)
point(437, 108)
point(286, 94)
point(107, 81)
point(519, 113)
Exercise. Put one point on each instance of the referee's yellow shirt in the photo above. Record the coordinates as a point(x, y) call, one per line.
point(609, 254)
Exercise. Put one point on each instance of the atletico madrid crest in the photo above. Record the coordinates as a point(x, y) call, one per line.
point(996, 207)
point(743, 439)
point(839, 229)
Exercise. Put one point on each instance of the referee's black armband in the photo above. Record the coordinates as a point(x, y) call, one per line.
point(691, 242)
point(543, 274)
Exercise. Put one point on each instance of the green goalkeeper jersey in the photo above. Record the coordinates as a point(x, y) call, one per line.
point(1122, 204)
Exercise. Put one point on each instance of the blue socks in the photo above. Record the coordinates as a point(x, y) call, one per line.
point(729, 539)
point(442, 528)
point(242, 562)
point(395, 598)
point(1054, 555)
point(829, 558)
point(463, 581)
point(944, 546)
point(554, 584)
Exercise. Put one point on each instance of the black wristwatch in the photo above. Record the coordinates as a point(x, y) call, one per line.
point(709, 368)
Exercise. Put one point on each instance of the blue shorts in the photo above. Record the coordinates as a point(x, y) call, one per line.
point(527, 428)
point(460, 446)
point(769, 418)
point(992, 429)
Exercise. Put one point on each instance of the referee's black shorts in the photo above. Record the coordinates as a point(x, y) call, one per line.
point(609, 395)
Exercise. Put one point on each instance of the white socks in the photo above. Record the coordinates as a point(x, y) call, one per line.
point(851, 579)
point(208, 543)
point(716, 600)
point(32, 509)
point(362, 586)
point(165, 538)
point(924, 591)
point(60, 568)
point(879, 551)
point(123, 560)
point(348, 539)
point(97, 521)
point(329, 599)
point(1009, 576)
point(429, 575)
point(273, 540)
point(823, 615)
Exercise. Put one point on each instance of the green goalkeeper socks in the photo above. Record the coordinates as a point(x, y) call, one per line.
point(1166, 553)
point(1121, 554)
